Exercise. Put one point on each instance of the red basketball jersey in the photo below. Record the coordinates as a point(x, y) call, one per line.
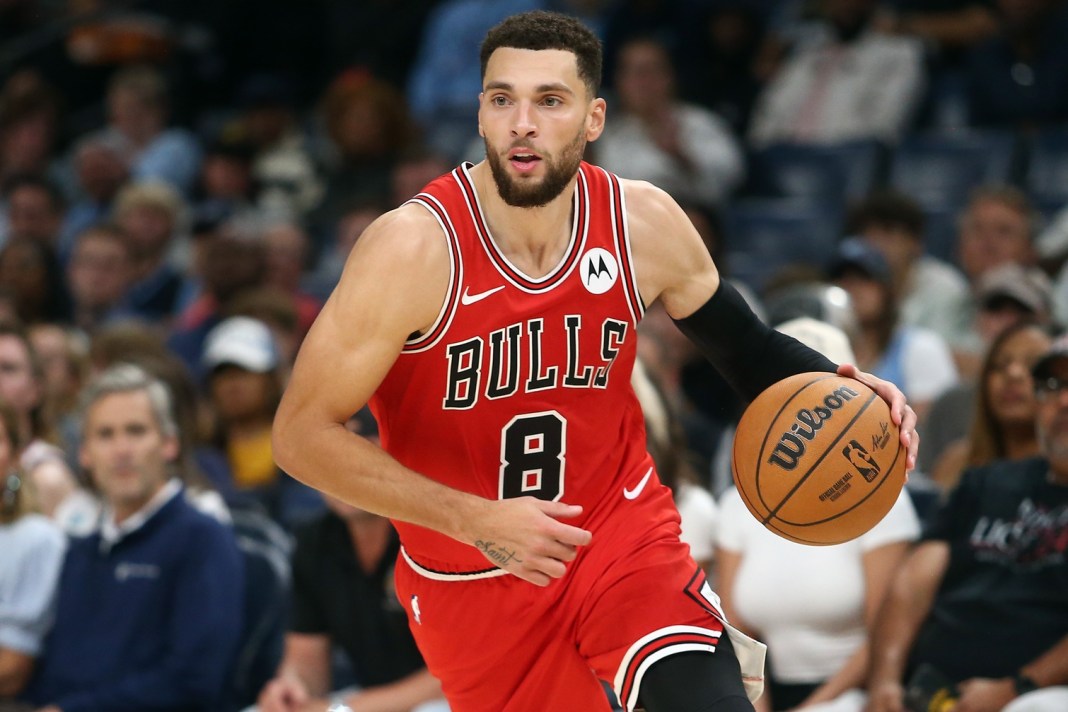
point(522, 386)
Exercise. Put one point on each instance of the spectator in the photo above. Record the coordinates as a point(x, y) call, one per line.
point(996, 227)
point(286, 177)
point(230, 261)
point(1003, 420)
point(287, 253)
point(684, 149)
point(100, 172)
point(850, 82)
point(813, 605)
point(1019, 78)
point(29, 569)
point(916, 359)
point(343, 562)
point(149, 609)
point(64, 355)
point(990, 568)
point(367, 123)
point(30, 113)
point(33, 274)
point(226, 187)
point(933, 294)
point(22, 385)
point(35, 209)
point(99, 275)
point(245, 378)
point(138, 110)
point(149, 216)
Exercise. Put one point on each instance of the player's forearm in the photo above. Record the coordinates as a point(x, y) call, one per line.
point(1050, 668)
point(355, 470)
point(900, 617)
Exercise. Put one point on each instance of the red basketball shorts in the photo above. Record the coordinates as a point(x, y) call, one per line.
point(500, 644)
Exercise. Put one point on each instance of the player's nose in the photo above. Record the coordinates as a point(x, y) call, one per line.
point(524, 123)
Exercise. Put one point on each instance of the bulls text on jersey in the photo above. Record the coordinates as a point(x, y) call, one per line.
point(522, 341)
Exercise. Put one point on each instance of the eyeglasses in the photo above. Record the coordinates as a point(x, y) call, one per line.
point(1047, 388)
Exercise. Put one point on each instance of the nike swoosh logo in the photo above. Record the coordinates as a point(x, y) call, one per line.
point(468, 299)
point(633, 494)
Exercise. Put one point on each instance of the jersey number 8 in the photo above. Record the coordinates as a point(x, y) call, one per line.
point(532, 456)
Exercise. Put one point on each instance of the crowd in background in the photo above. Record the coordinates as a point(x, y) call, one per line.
point(181, 184)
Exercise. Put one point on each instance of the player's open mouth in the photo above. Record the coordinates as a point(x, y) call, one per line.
point(523, 160)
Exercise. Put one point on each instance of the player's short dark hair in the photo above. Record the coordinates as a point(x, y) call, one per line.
point(540, 29)
point(886, 209)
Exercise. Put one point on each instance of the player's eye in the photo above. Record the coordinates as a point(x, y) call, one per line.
point(499, 100)
point(551, 101)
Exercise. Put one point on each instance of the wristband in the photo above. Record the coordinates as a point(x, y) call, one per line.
point(1023, 684)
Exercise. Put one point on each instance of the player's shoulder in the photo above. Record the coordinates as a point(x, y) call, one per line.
point(409, 233)
point(650, 210)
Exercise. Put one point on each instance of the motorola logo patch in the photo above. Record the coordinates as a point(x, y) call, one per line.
point(598, 270)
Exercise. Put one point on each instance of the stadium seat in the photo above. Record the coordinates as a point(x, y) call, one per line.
point(939, 170)
point(829, 174)
point(265, 548)
point(1046, 177)
point(766, 235)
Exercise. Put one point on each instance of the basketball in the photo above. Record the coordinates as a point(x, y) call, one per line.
point(817, 459)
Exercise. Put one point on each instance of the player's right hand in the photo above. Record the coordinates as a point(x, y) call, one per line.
point(525, 537)
point(887, 696)
point(283, 694)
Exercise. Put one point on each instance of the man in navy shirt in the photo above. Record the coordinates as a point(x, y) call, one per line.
point(149, 610)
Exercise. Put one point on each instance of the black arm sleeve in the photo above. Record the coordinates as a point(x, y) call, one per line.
point(747, 352)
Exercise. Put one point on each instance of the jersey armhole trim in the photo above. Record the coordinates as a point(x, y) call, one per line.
point(621, 237)
point(448, 308)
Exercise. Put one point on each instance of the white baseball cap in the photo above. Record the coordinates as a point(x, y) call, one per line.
point(241, 341)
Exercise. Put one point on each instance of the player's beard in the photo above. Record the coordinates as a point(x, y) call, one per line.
point(521, 193)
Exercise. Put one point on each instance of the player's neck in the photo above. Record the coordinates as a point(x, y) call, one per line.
point(533, 239)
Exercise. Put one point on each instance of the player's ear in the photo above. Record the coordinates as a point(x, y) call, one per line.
point(481, 131)
point(595, 119)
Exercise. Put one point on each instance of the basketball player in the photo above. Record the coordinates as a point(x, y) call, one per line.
point(490, 322)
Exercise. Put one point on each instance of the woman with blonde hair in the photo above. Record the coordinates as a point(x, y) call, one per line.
point(33, 550)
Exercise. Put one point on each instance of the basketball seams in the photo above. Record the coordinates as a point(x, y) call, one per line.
point(801, 480)
point(767, 434)
point(795, 495)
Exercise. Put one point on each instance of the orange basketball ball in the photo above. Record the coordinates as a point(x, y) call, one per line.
point(817, 459)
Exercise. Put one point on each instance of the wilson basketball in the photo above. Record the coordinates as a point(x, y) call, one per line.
point(817, 459)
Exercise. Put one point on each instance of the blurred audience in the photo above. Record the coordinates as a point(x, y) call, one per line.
point(931, 293)
point(848, 82)
point(149, 610)
point(22, 385)
point(990, 567)
point(917, 360)
point(150, 217)
point(682, 148)
point(29, 569)
point(343, 562)
point(138, 104)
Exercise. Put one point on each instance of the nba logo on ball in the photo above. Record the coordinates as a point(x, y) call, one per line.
point(817, 459)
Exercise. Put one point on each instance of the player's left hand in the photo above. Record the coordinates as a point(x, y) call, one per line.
point(900, 411)
point(985, 695)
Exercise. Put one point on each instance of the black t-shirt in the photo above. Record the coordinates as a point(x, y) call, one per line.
point(1004, 598)
point(360, 613)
